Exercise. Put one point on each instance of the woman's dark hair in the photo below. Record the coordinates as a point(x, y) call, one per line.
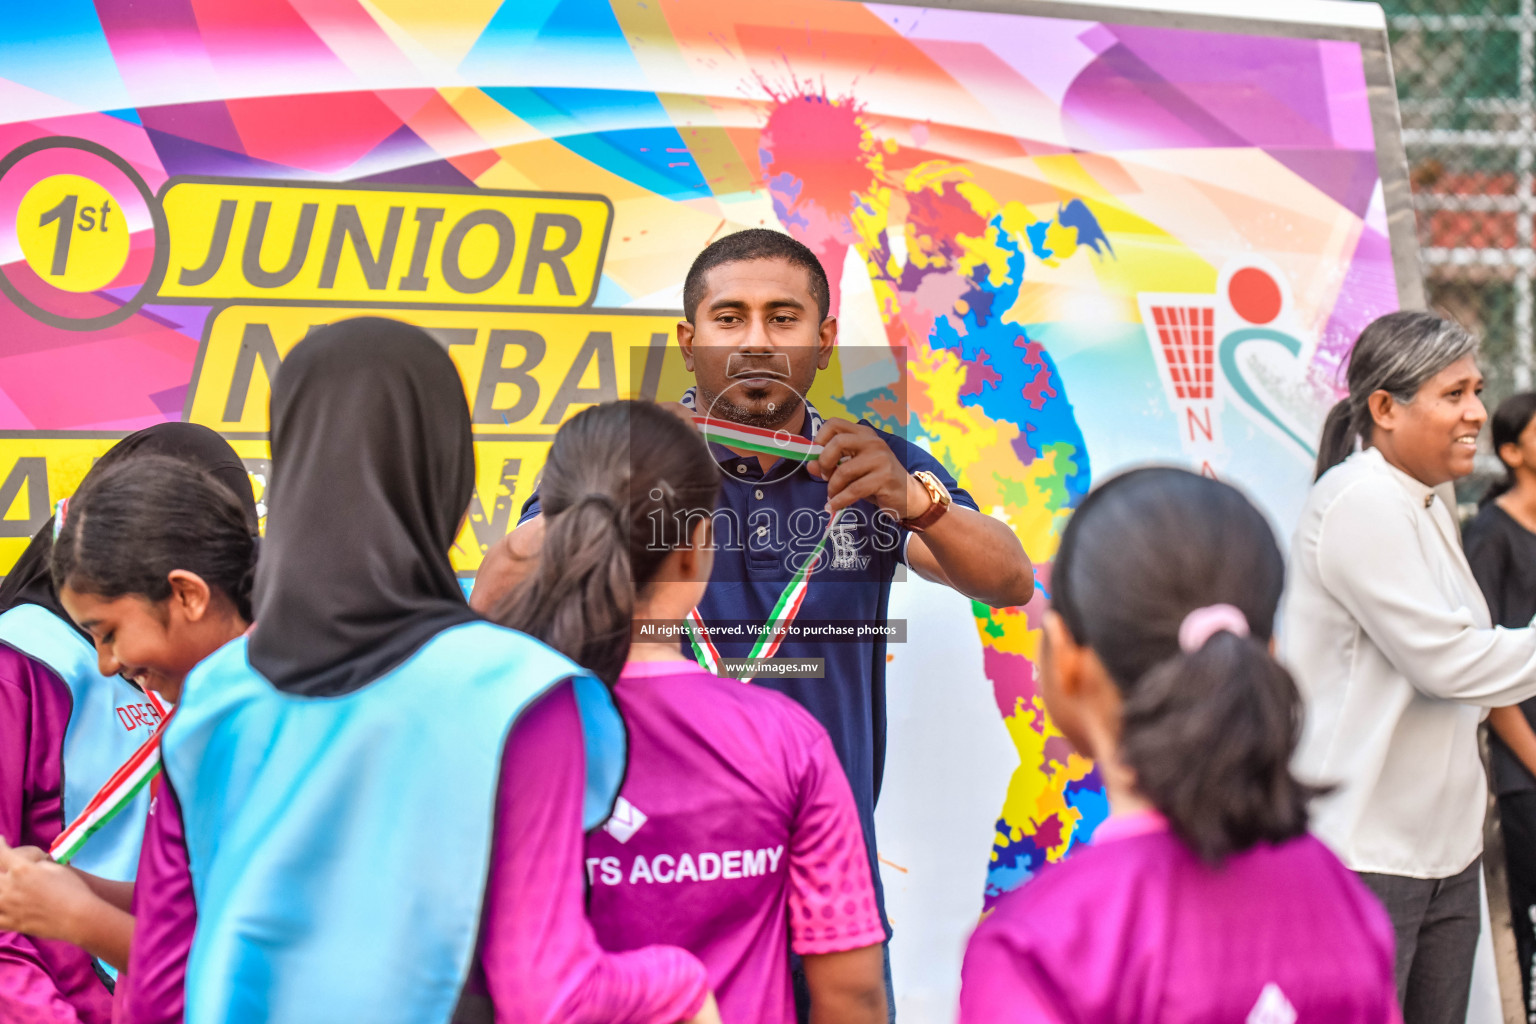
point(1509, 422)
point(1209, 733)
point(129, 527)
point(624, 485)
point(1396, 353)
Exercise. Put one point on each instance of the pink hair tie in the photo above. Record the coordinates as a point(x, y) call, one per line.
point(1203, 623)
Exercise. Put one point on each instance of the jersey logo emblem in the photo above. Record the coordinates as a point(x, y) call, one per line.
point(625, 822)
point(1272, 1007)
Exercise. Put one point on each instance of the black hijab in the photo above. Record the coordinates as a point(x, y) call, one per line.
point(372, 469)
point(30, 582)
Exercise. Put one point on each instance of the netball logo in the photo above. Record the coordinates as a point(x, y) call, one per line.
point(1249, 330)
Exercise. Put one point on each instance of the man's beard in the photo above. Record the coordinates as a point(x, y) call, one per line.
point(722, 407)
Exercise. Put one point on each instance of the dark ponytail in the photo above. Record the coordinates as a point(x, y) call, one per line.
point(1340, 435)
point(1397, 353)
point(1208, 732)
point(1509, 422)
point(131, 525)
point(623, 486)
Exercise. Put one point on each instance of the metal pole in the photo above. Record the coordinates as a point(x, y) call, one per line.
point(1525, 219)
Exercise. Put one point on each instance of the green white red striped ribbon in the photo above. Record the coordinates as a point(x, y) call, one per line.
point(756, 439)
point(118, 792)
point(776, 629)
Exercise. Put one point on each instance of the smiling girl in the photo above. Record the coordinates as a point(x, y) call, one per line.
point(65, 727)
point(1392, 646)
point(154, 560)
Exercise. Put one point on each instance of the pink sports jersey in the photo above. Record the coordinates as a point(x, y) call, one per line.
point(539, 962)
point(735, 822)
point(41, 981)
point(1135, 929)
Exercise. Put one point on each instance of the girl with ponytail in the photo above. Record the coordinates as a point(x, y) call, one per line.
point(1501, 548)
point(154, 560)
point(736, 820)
point(1395, 653)
point(1202, 897)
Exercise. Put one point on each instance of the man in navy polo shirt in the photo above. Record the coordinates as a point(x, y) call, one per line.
point(756, 331)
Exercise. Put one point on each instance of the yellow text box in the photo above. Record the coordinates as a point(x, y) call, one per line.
point(37, 470)
point(304, 242)
point(524, 373)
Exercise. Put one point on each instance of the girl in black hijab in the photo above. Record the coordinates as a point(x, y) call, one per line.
point(339, 829)
point(65, 728)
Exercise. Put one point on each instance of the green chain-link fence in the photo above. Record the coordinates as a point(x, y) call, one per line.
point(1466, 81)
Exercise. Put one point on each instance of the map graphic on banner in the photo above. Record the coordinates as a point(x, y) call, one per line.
point(1057, 247)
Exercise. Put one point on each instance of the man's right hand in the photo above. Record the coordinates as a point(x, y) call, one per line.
point(506, 565)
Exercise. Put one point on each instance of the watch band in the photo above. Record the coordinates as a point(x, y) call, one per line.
point(940, 502)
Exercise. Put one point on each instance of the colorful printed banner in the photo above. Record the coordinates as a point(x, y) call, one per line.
point(1059, 245)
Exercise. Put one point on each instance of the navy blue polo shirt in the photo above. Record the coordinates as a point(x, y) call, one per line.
point(763, 521)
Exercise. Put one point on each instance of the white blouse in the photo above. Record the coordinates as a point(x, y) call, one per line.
point(1390, 641)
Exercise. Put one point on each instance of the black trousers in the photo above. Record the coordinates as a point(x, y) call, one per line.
point(1517, 815)
point(1436, 922)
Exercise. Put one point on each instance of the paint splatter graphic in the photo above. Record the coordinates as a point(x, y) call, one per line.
point(947, 262)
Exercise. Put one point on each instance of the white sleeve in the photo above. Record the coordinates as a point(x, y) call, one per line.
point(1370, 559)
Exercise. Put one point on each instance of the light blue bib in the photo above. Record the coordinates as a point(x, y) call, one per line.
point(107, 723)
point(340, 846)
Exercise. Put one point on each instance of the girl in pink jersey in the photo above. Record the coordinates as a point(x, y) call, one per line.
point(1202, 898)
point(154, 561)
point(736, 828)
point(47, 719)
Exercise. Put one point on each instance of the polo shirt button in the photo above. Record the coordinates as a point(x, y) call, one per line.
point(741, 467)
point(762, 531)
point(758, 494)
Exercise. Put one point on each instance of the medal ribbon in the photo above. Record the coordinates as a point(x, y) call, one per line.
point(774, 631)
point(118, 792)
point(756, 439)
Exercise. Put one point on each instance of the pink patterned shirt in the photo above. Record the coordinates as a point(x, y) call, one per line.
point(1136, 929)
point(41, 981)
point(735, 830)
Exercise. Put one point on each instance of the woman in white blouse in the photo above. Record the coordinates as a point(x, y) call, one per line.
point(1389, 638)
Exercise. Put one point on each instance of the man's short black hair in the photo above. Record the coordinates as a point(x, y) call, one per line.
point(755, 244)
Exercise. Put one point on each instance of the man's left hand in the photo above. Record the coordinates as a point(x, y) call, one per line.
point(857, 464)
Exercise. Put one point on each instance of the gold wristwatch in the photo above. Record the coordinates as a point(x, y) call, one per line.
point(941, 501)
